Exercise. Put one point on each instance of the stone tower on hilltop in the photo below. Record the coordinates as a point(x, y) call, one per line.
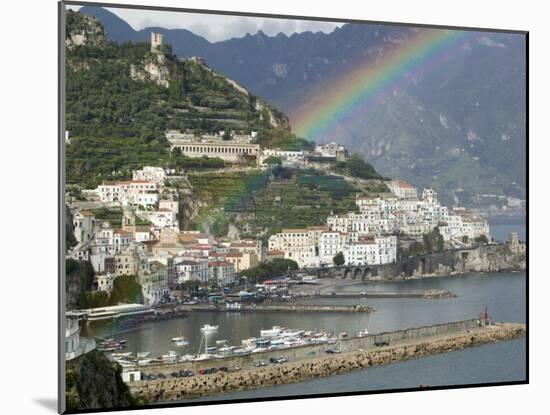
point(156, 42)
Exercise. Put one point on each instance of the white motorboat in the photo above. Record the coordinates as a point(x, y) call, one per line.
point(362, 333)
point(143, 362)
point(125, 363)
point(143, 355)
point(208, 328)
point(178, 339)
point(170, 357)
point(205, 356)
point(272, 332)
point(118, 355)
point(182, 343)
point(250, 342)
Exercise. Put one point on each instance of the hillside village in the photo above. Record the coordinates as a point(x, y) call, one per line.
point(133, 227)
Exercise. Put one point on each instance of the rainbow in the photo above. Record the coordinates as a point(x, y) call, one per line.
point(369, 81)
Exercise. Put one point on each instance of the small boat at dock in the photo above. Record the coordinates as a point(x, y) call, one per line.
point(207, 328)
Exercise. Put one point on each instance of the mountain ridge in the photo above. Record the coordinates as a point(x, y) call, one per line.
point(465, 131)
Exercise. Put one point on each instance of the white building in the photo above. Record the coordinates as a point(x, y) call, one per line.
point(192, 270)
point(161, 218)
point(154, 283)
point(297, 244)
point(402, 189)
point(288, 158)
point(149, 173)
point(84, 223)
point(331, 150)
point(371, 250)
point(216, 148)
point(105, 282)
point(130, 193)
point(223, 272)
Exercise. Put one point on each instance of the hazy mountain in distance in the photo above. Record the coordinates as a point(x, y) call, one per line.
point(458, 126)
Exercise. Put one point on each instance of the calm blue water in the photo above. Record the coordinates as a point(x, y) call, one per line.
point(500, 362)
point(501, 229)
point(503, 293)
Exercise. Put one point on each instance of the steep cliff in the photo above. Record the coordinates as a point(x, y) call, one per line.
point(95, 382)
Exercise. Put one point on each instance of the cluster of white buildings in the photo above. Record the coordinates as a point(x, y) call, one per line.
point(369, 236)
point(238, 148)
point(300, 159)
point(155, 251)
point(161, 258)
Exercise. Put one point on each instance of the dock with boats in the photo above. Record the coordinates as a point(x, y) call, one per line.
point(301, 362)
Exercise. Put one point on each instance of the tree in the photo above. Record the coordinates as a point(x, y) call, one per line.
point(416, 248)
point(272, 161)
point(433, 241)
point(339, 259)
point(126, 289)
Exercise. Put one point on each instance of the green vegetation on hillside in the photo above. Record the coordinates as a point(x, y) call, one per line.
point(356, 167)
point(94, 382)
point(126, 289)
point(117, 123)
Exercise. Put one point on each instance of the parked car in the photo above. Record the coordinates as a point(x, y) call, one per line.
point(332, 351)
point(175, 374)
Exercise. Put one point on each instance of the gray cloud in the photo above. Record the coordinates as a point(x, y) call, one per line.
point(217, 27)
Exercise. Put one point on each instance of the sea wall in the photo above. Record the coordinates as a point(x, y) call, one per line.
point(427, 340)
point(273, 308)
point(485, 258)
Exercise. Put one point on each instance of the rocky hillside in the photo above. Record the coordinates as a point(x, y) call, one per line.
point(122, 98)
point(93, 382)
point(459, 126)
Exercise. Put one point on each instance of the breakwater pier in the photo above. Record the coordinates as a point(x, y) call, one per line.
point(282, 307)
point(425, 294)
point(306, 362)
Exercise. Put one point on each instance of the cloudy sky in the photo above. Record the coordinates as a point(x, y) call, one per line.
point(215, 28)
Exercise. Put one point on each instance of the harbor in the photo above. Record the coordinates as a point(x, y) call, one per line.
point(305, 362)
point(498, 291)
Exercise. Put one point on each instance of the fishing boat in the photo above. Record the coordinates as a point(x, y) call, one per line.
point(211, 349)
point(208, 328)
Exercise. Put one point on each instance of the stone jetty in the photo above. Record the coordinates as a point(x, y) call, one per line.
point(402, 345)
point(284, 307)
point(425, 294)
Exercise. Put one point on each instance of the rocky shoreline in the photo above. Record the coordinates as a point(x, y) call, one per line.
point(301, 370)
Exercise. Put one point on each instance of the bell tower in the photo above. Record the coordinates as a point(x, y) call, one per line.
point(156, 42)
